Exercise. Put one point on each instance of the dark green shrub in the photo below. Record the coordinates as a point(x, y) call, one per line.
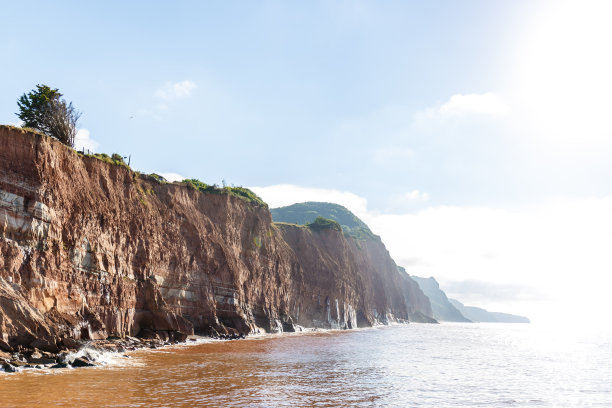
point(117, 158)
point(158, 178)
point(321, 223)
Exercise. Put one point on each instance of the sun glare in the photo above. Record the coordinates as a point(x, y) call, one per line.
point(564, 82)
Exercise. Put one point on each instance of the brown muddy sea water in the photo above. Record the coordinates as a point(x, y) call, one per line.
point(446, 365)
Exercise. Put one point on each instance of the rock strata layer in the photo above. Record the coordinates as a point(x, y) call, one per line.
point(91, 250)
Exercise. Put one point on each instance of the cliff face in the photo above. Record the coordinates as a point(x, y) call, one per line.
point(366, 258)
point(89, 249)
point(362, 274)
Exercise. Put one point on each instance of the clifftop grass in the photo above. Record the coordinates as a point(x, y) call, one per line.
point(241, 192)
point(25, 129)
point(116, 159)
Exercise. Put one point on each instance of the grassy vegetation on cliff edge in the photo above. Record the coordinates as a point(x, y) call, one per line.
point(117, 160)
point(25, 129)
point(241, 192)
point(321, 223)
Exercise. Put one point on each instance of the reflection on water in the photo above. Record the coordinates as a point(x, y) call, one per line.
point(415, 365)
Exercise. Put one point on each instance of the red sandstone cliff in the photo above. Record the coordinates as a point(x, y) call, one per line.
point(90, 249)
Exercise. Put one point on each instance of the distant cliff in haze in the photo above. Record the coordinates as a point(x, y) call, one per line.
point(451, 310)
point(477, 314)
point(442, 309)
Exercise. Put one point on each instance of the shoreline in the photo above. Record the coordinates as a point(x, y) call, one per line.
point(98, 353)
point(95, 353)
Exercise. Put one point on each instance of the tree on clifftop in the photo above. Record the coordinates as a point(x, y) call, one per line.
point(43, 110)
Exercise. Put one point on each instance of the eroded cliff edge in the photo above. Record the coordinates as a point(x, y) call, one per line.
point(90, 250)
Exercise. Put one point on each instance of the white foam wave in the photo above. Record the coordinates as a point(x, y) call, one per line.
point(99, 356)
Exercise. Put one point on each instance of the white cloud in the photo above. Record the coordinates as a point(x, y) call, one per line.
point(172, 176)
point(416, 195)
point(557, 254)
point(175, 90)
point(167, 95)
point(83, 140)
point(460, 105)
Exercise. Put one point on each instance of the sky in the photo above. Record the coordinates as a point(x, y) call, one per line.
point(474, 137)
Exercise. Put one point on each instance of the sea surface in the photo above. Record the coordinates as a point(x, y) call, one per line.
point(416, 365)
